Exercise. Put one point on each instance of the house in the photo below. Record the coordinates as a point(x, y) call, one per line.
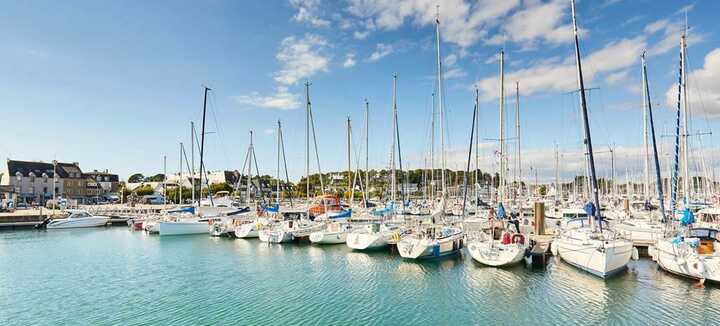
point(101, 182)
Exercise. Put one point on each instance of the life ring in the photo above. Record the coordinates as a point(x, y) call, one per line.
point(518, 238)
point(210, 222)
point(396, 236)
point(258, 226)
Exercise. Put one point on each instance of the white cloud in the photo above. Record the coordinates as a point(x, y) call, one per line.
point(361, 35)
point(562, 77)
point(349, 60)
point(301, 58)
point(618, 77)
point(282, 100)
point(657, 25)
point(703, 88)
point(308, 12)
point(540, 21)
point(381, 50)
point(269, 131)
point(461, 23)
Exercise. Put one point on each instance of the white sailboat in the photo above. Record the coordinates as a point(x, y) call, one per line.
point(591, 247)
point(180, 224)
point(688, 251)
point(434, 240)
point(511, 247)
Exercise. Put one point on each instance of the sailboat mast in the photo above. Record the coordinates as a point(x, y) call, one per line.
point(558, 191)
point(192, 159)
point(477, 144)
point(250, 161)
point(517, 134)
point(393, 185)
point(501, 185)
point(646, 149)
point(349, 171)
point(440, 102)
point(279, 149)
point(685, 127)
point(658, 178)
point(180, 180)
point(586, 123)
point(202, 140)
point(307, 139)
point(367, 151)
point(432, 149)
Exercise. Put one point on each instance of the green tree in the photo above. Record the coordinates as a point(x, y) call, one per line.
point(136, 178)
point(144, 190)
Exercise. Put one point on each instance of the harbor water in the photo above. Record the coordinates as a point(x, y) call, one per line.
point(112, 276)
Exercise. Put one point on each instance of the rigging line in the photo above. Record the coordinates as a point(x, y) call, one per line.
point(287, 177)
point(213, 111)
point(317, 155)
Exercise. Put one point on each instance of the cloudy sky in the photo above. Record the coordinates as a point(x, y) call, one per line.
point(115, 84)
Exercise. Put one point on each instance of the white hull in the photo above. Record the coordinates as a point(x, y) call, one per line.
point(247, 230)
point(182, 227)
point(367, 241)
point(421, 248)
point(684, 261)
point(85, 222)
point(494, 253)
point(598, 257)
point(328, 237)
point(275, 236)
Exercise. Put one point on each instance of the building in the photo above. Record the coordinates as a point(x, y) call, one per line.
point(36, 181)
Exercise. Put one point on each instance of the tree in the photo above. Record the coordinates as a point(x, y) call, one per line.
point(136, 178)
point(156, 178)
point(144, 190)
point(542, 191)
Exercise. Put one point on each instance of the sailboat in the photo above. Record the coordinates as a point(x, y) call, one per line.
point(591, 247)
point(484, 248)
point(688, 251)
point(380, 233)
point(643, 227)
point(181, 224)
point(434, 240)
point(336, 226)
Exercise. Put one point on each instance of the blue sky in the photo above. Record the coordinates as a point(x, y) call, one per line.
point(115, 84)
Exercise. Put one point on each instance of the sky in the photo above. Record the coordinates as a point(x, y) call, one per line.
point(114, 84)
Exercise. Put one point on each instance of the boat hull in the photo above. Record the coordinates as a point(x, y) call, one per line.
point(594, 257)
point(327, 237)
point(246, 231)
point(413, 248)
point(275, 236)
point(182, 228)
point(679, 260)
point(496, 254)
point(90, 222)
point(366, 241)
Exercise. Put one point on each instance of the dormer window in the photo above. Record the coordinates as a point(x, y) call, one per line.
point(32, 177)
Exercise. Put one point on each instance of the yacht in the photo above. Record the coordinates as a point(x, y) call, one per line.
point(334, 233)
point(78, 219)
point(431, 243)
point(372, 236)
point(694, 254)
point(506, 251)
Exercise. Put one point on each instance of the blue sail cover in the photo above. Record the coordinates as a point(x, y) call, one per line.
point(341, 214)
point(389, 208)
point(271, 209)
point(190, 210)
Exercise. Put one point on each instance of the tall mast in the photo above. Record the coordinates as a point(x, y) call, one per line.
point(501, 185)
point(367, 151)
point(192, 159)
point(440, 102)
point(250, 160)
point(646, 149)
point(307, 139)
point(202, 141)
point(687, 184)
point(279, 151)
point(658, 178)
point(164, 180)
point(586, 123)
point(180, 180)
point(477, 144)
point(432, 149)
point(558, 191)
point(393, 185)
point(518, 172)
point(349, 171)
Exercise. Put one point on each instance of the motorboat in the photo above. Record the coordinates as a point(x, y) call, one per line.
point(78, 219)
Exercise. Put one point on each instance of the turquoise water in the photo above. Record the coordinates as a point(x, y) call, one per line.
point(112, 276)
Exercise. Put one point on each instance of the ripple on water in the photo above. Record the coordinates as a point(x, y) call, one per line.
point(113, 276)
